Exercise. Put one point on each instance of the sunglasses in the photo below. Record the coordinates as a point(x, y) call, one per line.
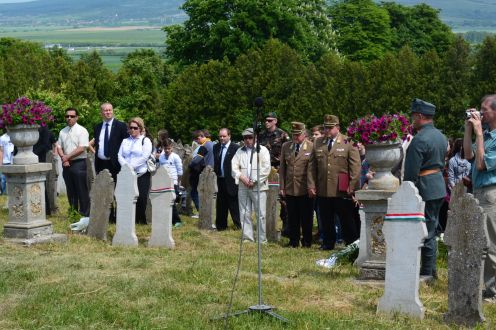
point(70, 116)
point(269, 120)
point(134, 127)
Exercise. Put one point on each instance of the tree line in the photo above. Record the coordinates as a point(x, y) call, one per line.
point(297, 82)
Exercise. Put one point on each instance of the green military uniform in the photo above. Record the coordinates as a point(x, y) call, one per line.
point(273, 141)
point(424, 165)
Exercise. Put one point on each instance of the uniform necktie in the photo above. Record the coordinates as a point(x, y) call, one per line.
point(106, 150)
point(329, 146)
point(297, 149)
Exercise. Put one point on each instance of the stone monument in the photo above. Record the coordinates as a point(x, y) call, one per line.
point(102, 197)
point(126, 195)
point(404, 229)
point(467, 241)
point(207, 187)
point(273, 235)
point(162, 198)
point(51, 184)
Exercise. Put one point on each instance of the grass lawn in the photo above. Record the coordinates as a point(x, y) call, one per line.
point(88, 284)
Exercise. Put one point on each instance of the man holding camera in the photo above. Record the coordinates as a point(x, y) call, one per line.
point(482, 154)
point(423, 166)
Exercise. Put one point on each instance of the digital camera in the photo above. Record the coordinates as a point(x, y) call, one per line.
point(468, 114)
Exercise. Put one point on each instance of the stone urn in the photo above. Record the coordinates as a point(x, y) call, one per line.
point(24, 137)
point(382, 158)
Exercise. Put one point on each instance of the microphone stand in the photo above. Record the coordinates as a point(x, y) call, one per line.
point(260, 307)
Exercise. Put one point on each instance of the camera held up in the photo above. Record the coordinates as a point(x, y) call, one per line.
point(468, 114)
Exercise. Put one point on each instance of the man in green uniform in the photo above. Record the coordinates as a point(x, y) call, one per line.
point(423, 166)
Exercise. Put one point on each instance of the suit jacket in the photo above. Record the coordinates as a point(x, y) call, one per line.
point(294, 169)
point(231, 187)
point(118, 132)
point(342, 158)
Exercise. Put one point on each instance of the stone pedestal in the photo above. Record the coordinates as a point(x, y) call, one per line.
point(26, 190)
point(372, 254)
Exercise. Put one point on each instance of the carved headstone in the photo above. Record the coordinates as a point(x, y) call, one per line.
point(102, 196)
point(90, 170)
point(207, 187)
point(466, 238)
point(126, 195)
point(51, 183)
point(271, 212)
point(404, 230)
point(162, 198)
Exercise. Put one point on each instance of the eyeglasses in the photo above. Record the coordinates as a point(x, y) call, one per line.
point(70, 116)
point(247, 137)
point(134, 127)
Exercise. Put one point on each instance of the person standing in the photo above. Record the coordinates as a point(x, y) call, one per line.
point(135, 151)
point(202, 157)
point(6, 156)
point(244, 171)
point(108, 136)
point(336, 174)
point(424, 163)
point(227, 194)
point(293, 184)
point(482, 155)
point(71, 147)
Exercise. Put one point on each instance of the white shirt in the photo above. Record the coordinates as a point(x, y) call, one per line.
point(173, 163)
point(101, 138)
point(72, 137)
point(7, 149)
point(241, 166)
point(223, 149)
point(135, 152)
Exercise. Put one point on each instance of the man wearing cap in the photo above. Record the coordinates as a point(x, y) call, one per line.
point(482, 154)
point(293, 177)
point(244, 171)
point(336, 173)
point(424, 163)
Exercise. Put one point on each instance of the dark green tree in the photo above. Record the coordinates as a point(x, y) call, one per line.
point(217, 28)
point(484, 71)
point(362, 27)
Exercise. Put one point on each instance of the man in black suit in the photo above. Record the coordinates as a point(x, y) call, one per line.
point(108, 136)
point(227, 195)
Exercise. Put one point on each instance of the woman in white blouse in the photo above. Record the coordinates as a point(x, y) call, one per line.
point(135, 151)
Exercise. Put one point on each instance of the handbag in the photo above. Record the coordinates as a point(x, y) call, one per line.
point(151, 164)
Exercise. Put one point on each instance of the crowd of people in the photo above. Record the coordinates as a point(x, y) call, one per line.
point(319, 171)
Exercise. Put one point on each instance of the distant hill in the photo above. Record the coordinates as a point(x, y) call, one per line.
point(43, 13)
point(461, 15)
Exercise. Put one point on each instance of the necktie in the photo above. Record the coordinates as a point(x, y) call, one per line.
point(329, 146)
point(106, 150)
point(297, 149)
point(222, 160)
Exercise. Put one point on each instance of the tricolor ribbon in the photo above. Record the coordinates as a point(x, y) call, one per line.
point(273, 184)
point(161, 190)
point(404, 217)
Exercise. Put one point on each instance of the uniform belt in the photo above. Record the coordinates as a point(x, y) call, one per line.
point(430, 171)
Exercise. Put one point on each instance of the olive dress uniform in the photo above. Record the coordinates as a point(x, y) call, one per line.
point(424, 165)
point(293, 176)
point(328, 163)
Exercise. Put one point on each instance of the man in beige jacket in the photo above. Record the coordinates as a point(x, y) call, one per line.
point(293, 176)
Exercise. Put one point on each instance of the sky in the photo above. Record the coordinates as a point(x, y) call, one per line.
point(13, 1)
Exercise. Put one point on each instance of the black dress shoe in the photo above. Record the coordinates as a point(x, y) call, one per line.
point(326, 248)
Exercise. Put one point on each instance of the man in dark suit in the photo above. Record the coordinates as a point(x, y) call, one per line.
point(108, 136)
point(227, 195)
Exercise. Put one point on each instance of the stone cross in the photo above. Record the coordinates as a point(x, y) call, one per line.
point(271, 212)
point(466, 238)
point(102, 197)
point(207, 187)
point(162, 197)
point(404, 230)
point(126, 195)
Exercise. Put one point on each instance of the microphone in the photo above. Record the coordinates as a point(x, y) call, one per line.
point(259, 102)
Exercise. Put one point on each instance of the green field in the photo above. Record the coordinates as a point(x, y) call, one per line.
point(75, 37)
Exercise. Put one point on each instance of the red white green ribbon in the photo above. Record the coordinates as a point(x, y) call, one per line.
point(161, 190)
point(404, 217)
point(273, 184)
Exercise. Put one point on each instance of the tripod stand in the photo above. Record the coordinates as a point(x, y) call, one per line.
point(260, 307)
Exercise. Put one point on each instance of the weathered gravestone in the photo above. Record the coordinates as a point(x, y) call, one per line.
point(185, 182)
point(149, 211)
point(126, 195)
point(102, 197)
point(404, 230)
point(466, 238)
point(162, 198)
point(207, 187)
point(90, 170)
point(272, 233)
point(51, 184)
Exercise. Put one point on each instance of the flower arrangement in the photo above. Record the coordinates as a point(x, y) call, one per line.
point(374, 130)
point(25, 111)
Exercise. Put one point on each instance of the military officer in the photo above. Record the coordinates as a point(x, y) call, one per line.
point(424, 165)
point(336, 174)
point(293, 177)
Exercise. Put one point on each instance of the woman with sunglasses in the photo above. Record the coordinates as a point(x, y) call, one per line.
point(135, 151)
